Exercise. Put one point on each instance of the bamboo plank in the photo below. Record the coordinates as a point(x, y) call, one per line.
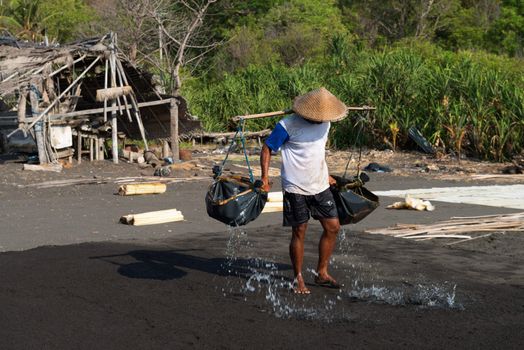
point(273, 207)
point(142, 188)
point(469, 239)
point(153, 217)
point(456, 227)
point(275, 197)
point(440, 236)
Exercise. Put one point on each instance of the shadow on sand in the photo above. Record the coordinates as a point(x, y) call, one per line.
point(173, 264)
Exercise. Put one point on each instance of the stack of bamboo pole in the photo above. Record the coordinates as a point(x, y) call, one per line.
point(142, 188)
point(274, 203)
point(153, 217)
point(457, 227)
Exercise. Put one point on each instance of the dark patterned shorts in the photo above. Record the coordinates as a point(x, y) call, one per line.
point(298, 208)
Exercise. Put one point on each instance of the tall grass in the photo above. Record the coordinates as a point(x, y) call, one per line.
point(466, 103)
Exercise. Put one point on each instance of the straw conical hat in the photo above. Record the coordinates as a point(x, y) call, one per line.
point(320, 105)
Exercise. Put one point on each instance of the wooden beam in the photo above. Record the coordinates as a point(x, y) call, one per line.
point(73, 84)
point(39, 129)
point(85, 112)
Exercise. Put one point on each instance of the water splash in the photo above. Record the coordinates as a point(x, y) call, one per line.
point(283, 303)
point(237, 239)
point(258, 276)
point(431, 295)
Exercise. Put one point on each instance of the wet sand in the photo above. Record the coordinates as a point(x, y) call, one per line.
point(196, 285)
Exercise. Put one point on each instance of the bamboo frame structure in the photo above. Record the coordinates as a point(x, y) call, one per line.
point(100, 65)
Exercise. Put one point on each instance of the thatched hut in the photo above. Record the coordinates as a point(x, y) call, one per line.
point(70, 99)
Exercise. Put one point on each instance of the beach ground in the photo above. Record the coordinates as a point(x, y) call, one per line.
point(74, 277)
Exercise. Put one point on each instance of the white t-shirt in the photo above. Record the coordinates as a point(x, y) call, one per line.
point(303, 145)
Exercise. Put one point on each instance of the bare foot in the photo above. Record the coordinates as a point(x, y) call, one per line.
point(299, 287)
point(325, 280)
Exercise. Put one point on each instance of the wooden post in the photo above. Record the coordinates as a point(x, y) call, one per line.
point(79, 147)
point(105, 87)
point(173, 111)
point(101, 146)
point(90, 149)
point(114, 126)
point(39, 128)
point(114, 134)
point(97, 147)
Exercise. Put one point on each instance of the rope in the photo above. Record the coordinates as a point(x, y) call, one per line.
point(358, 140)
point(240, 130)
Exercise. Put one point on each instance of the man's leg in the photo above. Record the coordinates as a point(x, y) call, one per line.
point(296, 252)
point(325, 247)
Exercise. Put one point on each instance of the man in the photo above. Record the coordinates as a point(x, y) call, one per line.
point(305, 179)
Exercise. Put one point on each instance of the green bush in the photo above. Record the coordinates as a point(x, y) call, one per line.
point(465, 102)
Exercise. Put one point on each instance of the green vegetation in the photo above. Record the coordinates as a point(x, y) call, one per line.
point(465, 101)
point(60, 20)
point(453, 68)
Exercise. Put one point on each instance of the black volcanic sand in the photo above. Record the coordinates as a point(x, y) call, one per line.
point(72, 277)
point(230, 290)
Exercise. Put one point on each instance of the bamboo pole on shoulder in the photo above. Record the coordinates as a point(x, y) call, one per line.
point(289, 111)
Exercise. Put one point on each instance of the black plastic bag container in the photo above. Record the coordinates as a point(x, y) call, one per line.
point(354, 202)
point(235, 200)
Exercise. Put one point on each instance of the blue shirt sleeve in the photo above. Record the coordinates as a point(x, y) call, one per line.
point(278, 137)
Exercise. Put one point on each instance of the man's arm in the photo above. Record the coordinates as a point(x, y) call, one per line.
point(265, 157)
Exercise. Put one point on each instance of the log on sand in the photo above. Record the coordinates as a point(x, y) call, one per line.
point(142, 188)
point(153, 217)
point(44, 167)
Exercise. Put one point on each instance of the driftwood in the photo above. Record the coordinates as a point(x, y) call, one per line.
point(412, 203)
point(43, 167)
point(454, 227)
point(153, 217)
point(142, 188)
point(119, 180)
point(469, 239)
point(498, 176)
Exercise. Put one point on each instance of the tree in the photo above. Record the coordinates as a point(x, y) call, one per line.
point(59, 20)
point(398, 19)
point(166, 35)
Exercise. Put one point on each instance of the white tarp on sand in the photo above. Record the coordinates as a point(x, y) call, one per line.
point(510, 196)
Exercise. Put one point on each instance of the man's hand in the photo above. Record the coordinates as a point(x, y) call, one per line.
point(332, 181)
point(266, 187)
point(265, 157)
